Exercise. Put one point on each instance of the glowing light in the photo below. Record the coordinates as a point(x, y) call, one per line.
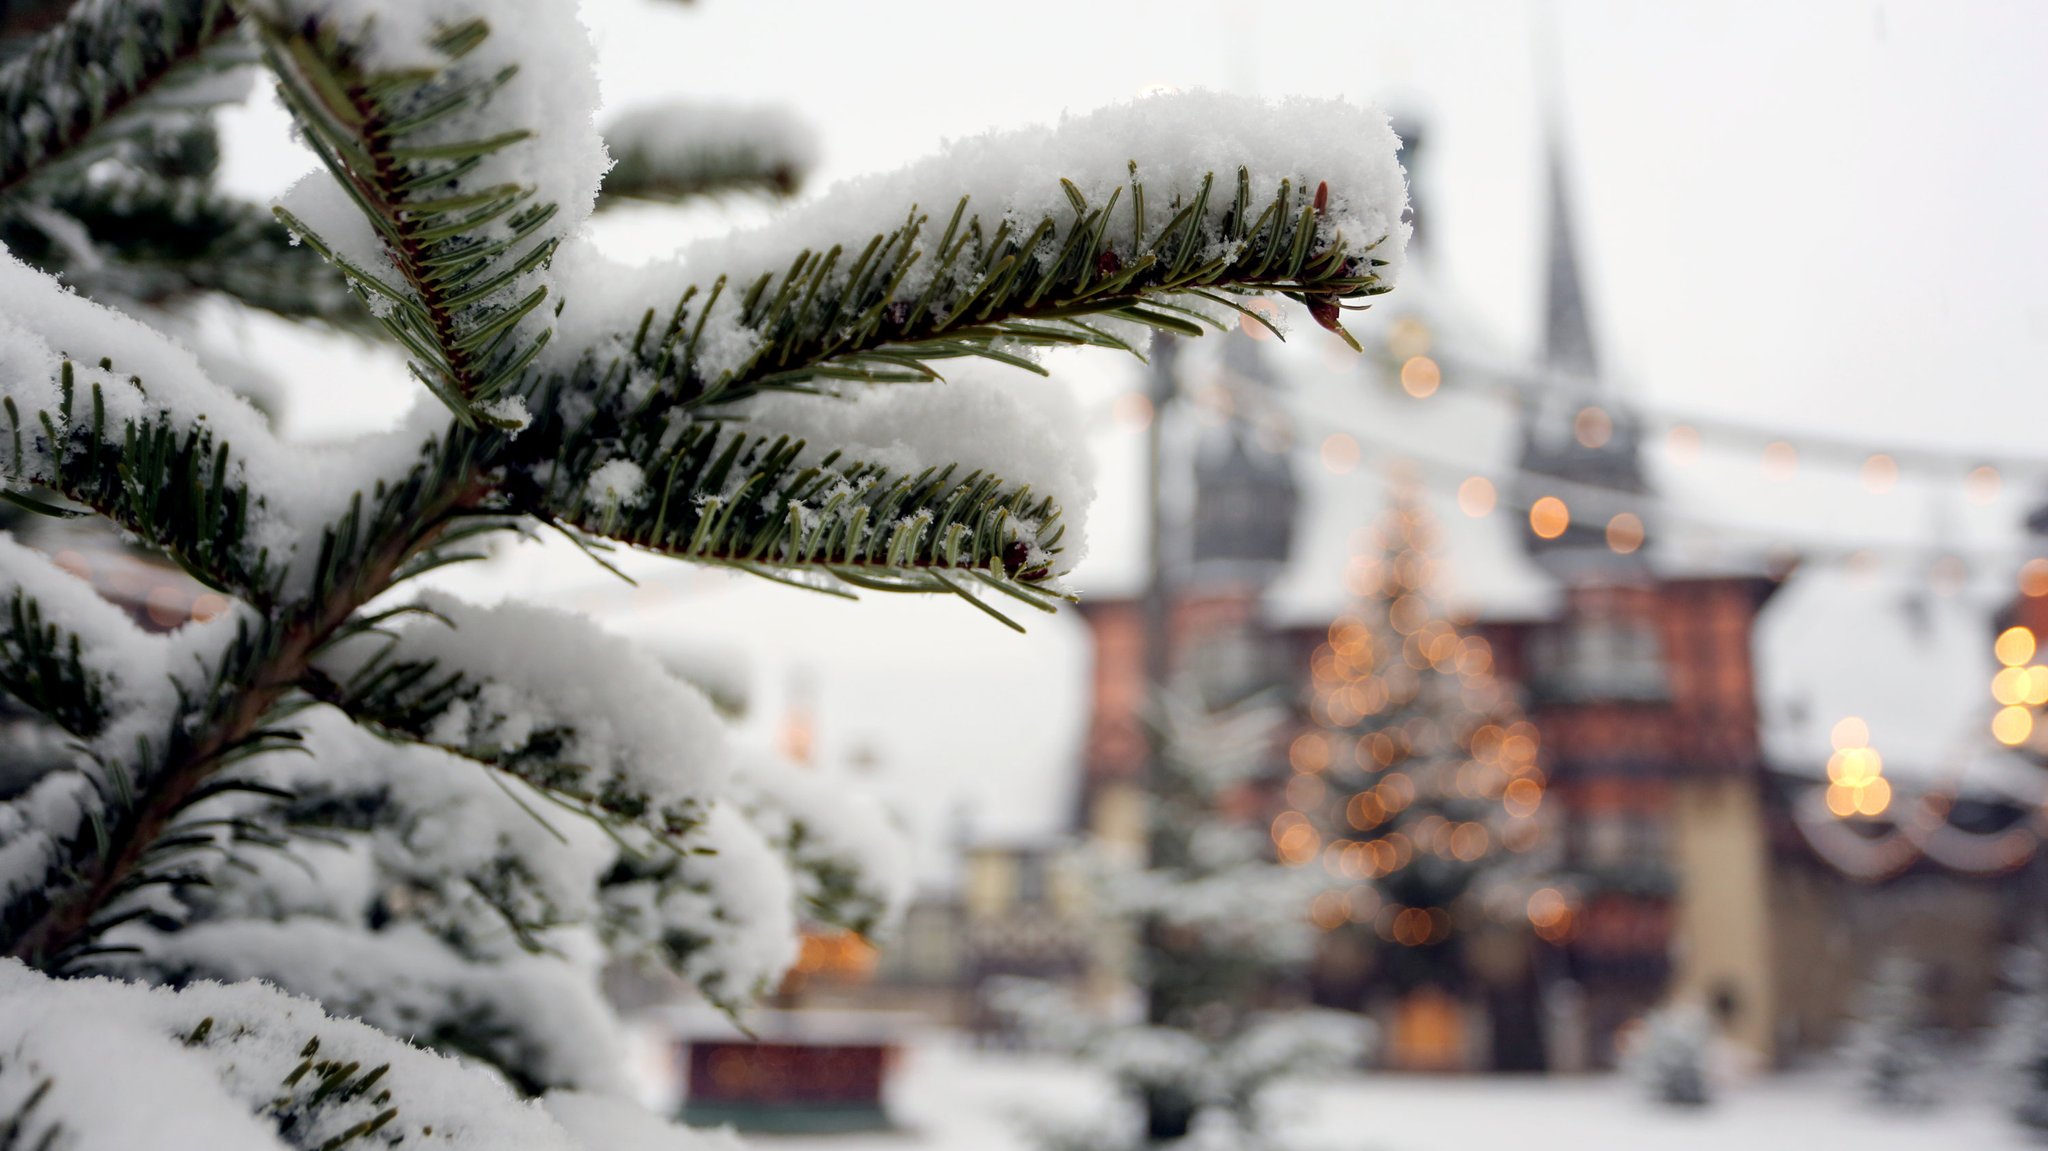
point(1306, 790)
point(2015, 646)
point(1982, 485)
point(2010, 685)
point(1408, 337)
point(1420, 376)
point(2037, 687)
point(1549, 517)
point(1329, 911)
point(210, 605)
point(1550, 913)
point(1880, 474)
point(1873, 797)
point(167, 606)
point(2012, 725)
point(1625, 533)
point(1340, 454)
point(2034, 578)
point(1133, 410)
point(1592, 427)
point(1850, 731)
point(1781, 460)
point(1683, 441)
point(1476, 496)
point(1522, 798)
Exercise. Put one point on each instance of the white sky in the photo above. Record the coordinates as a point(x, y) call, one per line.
point(1822, 216)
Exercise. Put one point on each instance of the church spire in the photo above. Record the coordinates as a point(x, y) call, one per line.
point(1567, 329)
point(1581, 446)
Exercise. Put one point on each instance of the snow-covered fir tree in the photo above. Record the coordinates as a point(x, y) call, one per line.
point(1219, 926)
point(1417, 790)
point(1888, 1047)
point(2020, 1045)
point(1671, 1055)
point(437, 817)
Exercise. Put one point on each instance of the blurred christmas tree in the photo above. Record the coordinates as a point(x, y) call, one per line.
point(1222, 930)
point(2020, 1048)
point(1671, 1056)
point(1418, 788)
point(1888, 1047)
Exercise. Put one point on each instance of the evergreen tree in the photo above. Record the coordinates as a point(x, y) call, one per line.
point(1418, 787)
point(1671, 1056)
point(439, 817)
point(1219, 927)
point(2020, 1048)
point(1888, 1047)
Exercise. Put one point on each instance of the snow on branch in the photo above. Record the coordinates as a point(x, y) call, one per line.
point(461, 151)
point(106, 58)
point(68, 653)
point(103, 410)
point(1006, 243)
point(597, 721)
point(949, 487)
point(851, 862)
point(721, 915)
point(239, 1068)
point(680, 150)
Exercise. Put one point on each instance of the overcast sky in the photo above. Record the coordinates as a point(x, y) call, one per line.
point(1815, 216)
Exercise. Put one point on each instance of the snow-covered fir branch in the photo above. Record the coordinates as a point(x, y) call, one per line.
point(446, 819)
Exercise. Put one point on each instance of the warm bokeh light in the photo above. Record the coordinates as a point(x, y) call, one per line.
point(1420, 376)
point(2012, 725)
point(1880, 474)
point(1592, 427)
point(1849, 731)
point(1549, 517)
point(1132, 410)
point(1683, 441)
point(1340, 454)
point(1263, 306)
point(2009, 686)
point(1476, 496)
point(2034, 578)
point(1625, 533)
point(1983, 484)
point(1781, 460)
point(1408, 337)
point(1310, 752)
point(2014, 647)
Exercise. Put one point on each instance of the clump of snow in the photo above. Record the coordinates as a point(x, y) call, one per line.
point(722, 915)
point(298, 490)
point(850, 857)
point(983, 417)
point(634, 732)
point(617, 483)
point(208, 1064)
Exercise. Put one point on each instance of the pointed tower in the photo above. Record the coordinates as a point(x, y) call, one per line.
point(1581, 447)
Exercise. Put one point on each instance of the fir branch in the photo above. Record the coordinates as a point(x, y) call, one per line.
point(231, 718)
point(719, 494)
point(176, 486)
point(883, 308)
point(43, 666)
point(464, 254)
point(104, 59)
point(158, 241)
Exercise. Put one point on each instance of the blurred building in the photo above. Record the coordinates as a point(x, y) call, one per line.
point(1706, 842)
